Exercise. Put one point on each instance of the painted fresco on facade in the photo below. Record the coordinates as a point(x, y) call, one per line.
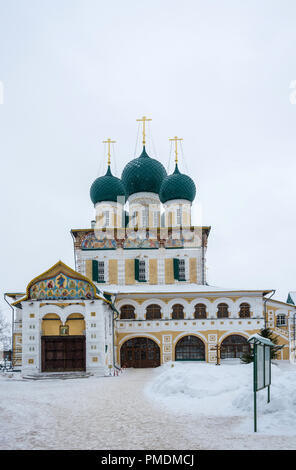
point(90, 242)
point(61, 287)
point(182, 239)
point(139, 242)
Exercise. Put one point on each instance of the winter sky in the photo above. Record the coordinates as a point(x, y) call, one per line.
point(215, 72)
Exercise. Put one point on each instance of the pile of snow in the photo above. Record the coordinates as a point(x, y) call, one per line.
point(227, 390)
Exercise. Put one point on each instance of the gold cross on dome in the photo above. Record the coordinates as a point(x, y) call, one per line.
point(109, 141)
point(175, 139)
point(144, 119)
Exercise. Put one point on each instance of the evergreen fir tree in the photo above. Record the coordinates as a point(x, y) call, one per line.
point(267, 333)
point(246, 358)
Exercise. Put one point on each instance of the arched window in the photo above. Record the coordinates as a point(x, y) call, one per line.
point(190, 348)
point(135, 219)
point(234, 346)
point(244, 310)
point(178, 312)
point(200, 311)
point(153, 312)
point(222, 311)
point(281, 320)
point(127, 312)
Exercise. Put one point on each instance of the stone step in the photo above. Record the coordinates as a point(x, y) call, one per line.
point(57, 375)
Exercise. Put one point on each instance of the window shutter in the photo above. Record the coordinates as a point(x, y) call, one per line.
point(176, 269)
point(95, 269)
point(136, 269)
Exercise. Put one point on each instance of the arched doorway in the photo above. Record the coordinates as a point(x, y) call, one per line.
point(63, 345)
point(190, 348)
point(140, 353)
point(234, 346)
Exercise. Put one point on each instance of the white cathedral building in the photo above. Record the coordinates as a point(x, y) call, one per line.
point(138, 295)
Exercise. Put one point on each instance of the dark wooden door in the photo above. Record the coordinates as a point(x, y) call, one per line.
point(63, 353)
point(190, 348)
point(140, 353)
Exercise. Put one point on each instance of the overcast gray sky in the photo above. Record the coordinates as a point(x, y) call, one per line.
point(215, 72)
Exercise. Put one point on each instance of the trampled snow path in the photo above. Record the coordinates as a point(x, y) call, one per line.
point(112, 413)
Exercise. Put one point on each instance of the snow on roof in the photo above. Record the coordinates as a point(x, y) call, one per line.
point(174, 288)
point(258, 338)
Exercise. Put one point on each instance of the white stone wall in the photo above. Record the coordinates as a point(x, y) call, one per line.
point(171, 207)
point(98, 332)
point(256, 308)
point(115, 214)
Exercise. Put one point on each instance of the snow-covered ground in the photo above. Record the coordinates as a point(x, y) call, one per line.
point(188, 406)
point(207, 390)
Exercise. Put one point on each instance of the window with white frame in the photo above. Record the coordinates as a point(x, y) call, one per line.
point(156, 217)
point(101, 271)
point(145, 214)
point(179, 215)
point(135, 219)
point(182, 272)
point(142, 270)
point(106, 215)
point(281, 320)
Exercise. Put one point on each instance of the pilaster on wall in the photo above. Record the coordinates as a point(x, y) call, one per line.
point(31, 338)
point(113, 271)
point(169, 271)
point(153, 271)
point(130, 271)
point(193, 270)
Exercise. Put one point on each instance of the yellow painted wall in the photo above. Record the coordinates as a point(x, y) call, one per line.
point(169, 271)
point(209, 346)
point(88, 268)
point(113, 271)
point(153, 273)
point(51, 327)
point(186, 218)
point(76, 327)
point(17, 349)
point(130, 271)
point(193, 270)
point(51, 324)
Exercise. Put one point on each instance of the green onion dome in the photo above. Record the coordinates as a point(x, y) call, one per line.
point(106, 188)
point(143, 174)
point(177, 186)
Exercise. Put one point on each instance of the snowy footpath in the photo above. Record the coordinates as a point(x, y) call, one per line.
point(187, 406)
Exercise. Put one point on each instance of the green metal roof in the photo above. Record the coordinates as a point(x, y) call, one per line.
point(177, 186)
point(143, 174)
point(106, 188)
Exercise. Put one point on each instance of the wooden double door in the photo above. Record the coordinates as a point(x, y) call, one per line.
point(140, 353)
point(63, 353)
